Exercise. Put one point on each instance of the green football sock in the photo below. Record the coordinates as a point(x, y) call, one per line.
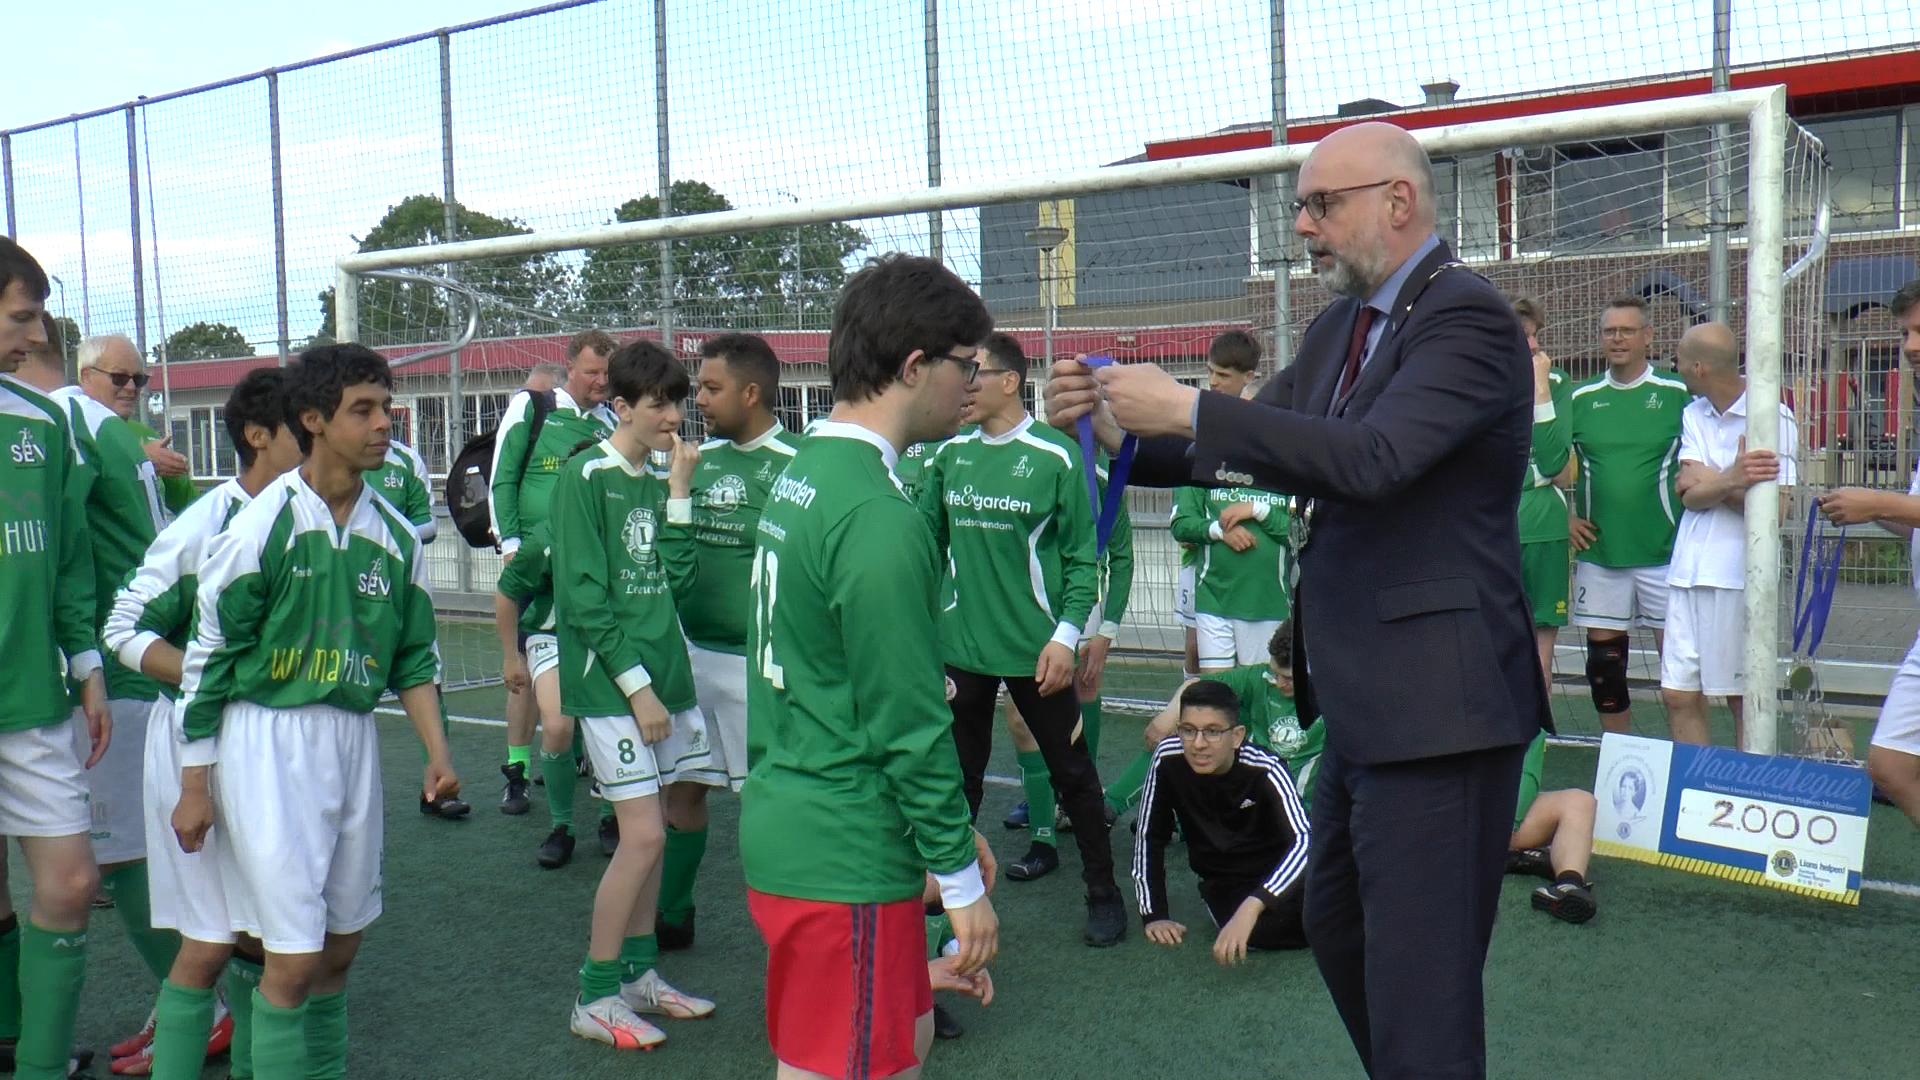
point(53, 967)
point(939, 932)
point(327, 1036)
point(599, 978)
point(679, 865)
point(519, 755)
point(10, 978)
point(579, 744)
point(561, 783)
point(638, 955)
point(279, 1040)
point(1090, 726)
point(1039, 787)
point(1124, 793)
point(242, 978)
point(128, 887)
point(182, 1021)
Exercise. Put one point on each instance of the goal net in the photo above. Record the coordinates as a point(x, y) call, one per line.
point(1147, 261)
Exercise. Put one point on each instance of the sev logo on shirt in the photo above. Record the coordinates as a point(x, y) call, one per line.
point(27, 452)
point(374, 582)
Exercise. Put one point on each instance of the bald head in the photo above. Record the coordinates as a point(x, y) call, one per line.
point(1367, 204)
point(1713, 346)
point(1374, 151)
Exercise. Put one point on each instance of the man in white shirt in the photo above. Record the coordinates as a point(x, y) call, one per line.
point(1704, 651)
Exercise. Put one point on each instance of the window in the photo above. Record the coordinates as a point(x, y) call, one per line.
point(1864, 153)
point(430, 424)
point(203, 438)
point(1467, 210)
point(200, 457)
point(480, 412)
point(1592, 195)
point(792, 407)
point(1912, 123)
point(1689, 166)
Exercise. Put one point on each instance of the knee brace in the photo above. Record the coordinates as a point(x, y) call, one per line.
point(1607, 675)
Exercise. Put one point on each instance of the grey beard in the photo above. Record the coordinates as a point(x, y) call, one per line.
point(1350, 278)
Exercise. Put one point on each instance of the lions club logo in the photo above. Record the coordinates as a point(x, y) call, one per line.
point(638, 535)
point(727, 494)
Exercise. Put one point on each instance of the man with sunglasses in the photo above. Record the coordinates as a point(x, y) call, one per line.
point(1404, 425)
point(124, 514)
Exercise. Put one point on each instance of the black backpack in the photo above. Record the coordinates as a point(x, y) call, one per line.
point(470, 480)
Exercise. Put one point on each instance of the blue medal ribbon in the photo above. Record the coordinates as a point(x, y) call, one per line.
point(1814, 586)
point(1106, 509)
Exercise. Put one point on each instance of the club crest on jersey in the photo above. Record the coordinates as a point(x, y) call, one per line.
point(1653, 400)
point(1021, 468)
point(27, 452)
point(638, 535)
point(726, 495)
point(766, 471)
point(374, 582)
point(392, 480)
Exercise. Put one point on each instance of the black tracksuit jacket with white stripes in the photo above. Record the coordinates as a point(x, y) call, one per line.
point(1243, 825)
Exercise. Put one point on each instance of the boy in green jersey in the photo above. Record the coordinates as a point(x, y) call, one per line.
point(402, 480)
point(1007, 502)
point(48, 637)
point(523, 612)
point(1626, 433)
point(855, 791)
point(622, 554)
point(313, 602)
point(146, 630)
point(739, 382)
point(1544, 568)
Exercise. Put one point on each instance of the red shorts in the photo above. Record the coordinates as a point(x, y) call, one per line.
point(846, 983)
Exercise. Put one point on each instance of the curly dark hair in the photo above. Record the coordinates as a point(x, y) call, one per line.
point(320, 377)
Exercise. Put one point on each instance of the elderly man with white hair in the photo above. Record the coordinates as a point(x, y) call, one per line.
point(113, 374)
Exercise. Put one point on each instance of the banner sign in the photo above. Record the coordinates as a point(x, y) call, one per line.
point(1786, 822)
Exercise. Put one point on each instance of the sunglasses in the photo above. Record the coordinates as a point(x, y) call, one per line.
point(122, 378)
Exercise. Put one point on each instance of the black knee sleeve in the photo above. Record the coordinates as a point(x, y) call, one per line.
point(1607, 674)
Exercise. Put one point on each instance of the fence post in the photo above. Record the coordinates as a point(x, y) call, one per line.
point(936, 231)
point(1280, 192)
point(1719, 169)
point(133, 223)
point(6, 169)
point(666, 170)
point(284, 341)
point(457, 403)
point(1766, 166)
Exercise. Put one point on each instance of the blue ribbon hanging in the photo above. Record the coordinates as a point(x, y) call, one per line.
point(1814, 586)
point(1106, 508)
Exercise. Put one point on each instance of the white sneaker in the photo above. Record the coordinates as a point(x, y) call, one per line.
point(650, 994)
point(610, 1021)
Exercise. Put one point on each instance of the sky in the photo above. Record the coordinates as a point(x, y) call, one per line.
point(797, 100)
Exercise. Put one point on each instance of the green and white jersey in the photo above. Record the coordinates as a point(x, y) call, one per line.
point(730, 489)
point(854, 792)
point(1543, 507)
point(124, 514)
point(176, 492)
point(913, 463)
point(293, 609)
point(157, 603)
point(519, 501)
point(621, 551)
point(1229, 584)
point(527, 579)
point(1010, 512)
point(402, 480)
point(46, 560)
point(1628, 439)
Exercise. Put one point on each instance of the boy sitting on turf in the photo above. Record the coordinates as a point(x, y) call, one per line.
point(622, 545)
point(1553, 839)
point(1246, 831)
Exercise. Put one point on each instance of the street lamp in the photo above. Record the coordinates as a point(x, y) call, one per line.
point(1048, 238)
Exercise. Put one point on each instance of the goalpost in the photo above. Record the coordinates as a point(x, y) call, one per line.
point(1544, 205)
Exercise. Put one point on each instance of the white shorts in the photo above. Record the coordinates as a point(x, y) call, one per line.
point(627, 768)
point(543, 654)
point(43, 788)
point(1183, 596)
point(1226, 643)
point(185, 887)
point(1619, 597)
point(720, 680)
point(116, 792)
point(1706, 643)
point(297, 796)
point(1899, 725)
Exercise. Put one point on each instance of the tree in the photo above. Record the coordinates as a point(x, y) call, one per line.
point(521, 293)
point(768, 279)
point(204, 341)
point(69, 338)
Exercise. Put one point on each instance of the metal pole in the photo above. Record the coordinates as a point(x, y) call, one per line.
point(457, 414)
point(1282, 186)
point(133, 227)
point(1053, 302)
point(159, 294)
point(346, 305)
point(1719, 170)
point(1766, 326)
point(284, 340)
point(80, 202)
point(6, 167)
point(936, 230)
point(666, 170)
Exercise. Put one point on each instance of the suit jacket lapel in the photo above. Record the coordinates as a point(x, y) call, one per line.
point(1328, 377)
point(1410, 291)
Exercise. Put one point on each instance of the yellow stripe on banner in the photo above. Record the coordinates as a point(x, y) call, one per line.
point(1708, 868)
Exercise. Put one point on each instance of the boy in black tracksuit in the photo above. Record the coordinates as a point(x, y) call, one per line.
point(1245, 829)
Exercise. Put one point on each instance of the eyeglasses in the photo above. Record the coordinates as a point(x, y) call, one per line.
point(122, 378)
point(1621, 331)
point(1189, 733)
point(1317, 204)
point(969, 365)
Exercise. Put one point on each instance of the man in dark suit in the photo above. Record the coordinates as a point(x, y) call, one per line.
point(1405, 423)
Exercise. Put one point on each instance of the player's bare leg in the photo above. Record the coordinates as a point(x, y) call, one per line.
point(1687, 716)
point(48, 949)
point(1897, 774)
point(1193, 653)
point(1544, 639)
point(523, 711)
point(1561, 821)
point(922, 1044)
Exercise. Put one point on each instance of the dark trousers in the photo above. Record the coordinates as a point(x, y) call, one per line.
point(1402, 888)
point(1279, 926)
point(1052, 719)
